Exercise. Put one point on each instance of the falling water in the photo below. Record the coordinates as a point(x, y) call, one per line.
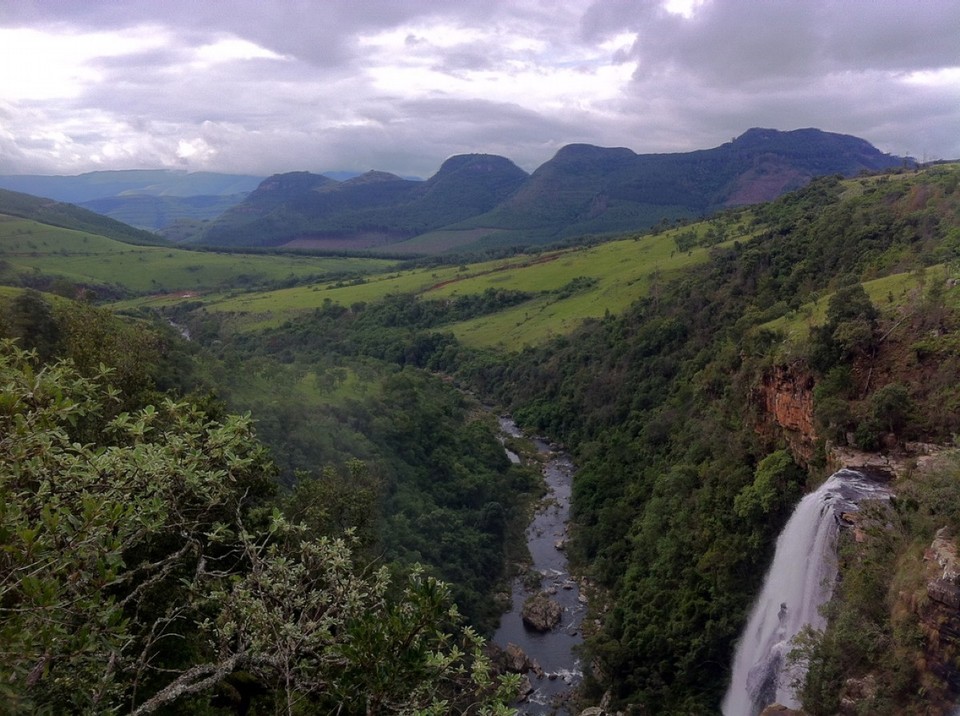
point(799, 582)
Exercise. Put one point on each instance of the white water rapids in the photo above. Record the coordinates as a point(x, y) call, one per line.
point(799, 582)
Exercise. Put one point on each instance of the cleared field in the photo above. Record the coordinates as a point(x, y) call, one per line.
point(27, 246)
point(273, 307)
point(623, 272)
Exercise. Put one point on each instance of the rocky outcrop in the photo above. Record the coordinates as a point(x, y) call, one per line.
point(944, 586)
point(525, 689)
point(911, 456)
point(512, 660)
point(778, 710)
point(939, 616)
point(857, 692)
point(785, 398)
point(541, 613)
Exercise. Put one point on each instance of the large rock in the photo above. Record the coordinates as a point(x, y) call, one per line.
point(541, 613)
point(515, 660)
point(778, 710)
point(512, 660)
point(944, 587)
point(785, 397)
point(944, 551)
point(525, 689)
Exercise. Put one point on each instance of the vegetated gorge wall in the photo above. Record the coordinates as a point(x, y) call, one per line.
point(785, 404)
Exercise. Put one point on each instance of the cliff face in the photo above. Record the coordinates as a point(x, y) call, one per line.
point(939, 616)
point(785, 400)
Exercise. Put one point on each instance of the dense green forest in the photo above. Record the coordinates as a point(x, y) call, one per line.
point(152, 560)
point(679, 497)
point(380, 455)
point(677, 502)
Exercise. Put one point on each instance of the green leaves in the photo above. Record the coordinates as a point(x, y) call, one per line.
point(143, 570)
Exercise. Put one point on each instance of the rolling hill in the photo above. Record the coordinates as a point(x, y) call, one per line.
point(75, 260)
point(68, 216)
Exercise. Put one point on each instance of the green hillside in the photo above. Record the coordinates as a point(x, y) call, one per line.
point(566, 286)
point(68, 216)
point(37, 254)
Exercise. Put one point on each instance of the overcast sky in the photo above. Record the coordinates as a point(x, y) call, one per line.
point(264, 86)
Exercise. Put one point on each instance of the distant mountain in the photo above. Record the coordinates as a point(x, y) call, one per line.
point(480, 200)
point(343, 176)
point(156, 213)
point(153, 182)
point(148, 199)
point(586, 189)
point(373, 209)
point(69, 216)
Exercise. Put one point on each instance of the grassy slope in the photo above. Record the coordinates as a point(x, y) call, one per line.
point(623, 271)
point(887, 294)
point(27, 247)
point(68, 216)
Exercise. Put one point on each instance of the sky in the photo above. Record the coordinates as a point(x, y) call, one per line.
point(267, 86)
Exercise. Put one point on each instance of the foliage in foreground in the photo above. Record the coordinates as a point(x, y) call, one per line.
point(145, 568)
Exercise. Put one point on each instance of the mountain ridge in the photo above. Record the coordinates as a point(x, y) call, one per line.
point(583, 189)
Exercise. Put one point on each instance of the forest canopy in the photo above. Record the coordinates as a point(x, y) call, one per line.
point(143, 562)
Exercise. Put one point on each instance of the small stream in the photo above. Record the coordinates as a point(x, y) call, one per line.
point(546, 534)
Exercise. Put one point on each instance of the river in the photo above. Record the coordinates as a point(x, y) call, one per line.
point(546, 534)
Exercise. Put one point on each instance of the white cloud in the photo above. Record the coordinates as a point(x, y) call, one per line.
point(243, 85)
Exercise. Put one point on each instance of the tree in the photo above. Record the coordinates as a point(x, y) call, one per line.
point(31, 320)
point(146, 569)
point(891, 407)
point(850, 329)
point(776, 485)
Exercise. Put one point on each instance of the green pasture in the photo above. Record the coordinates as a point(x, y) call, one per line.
point(624, 272)
point(29, 247)
point(621, 272)
point(276, 306)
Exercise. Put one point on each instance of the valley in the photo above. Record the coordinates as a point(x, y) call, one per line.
point(648, 355)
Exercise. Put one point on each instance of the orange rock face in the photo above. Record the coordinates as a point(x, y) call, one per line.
point(785, 398)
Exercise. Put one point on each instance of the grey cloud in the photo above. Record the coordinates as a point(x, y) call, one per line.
point(461, 59)
point(698, 81)
point(729, 42)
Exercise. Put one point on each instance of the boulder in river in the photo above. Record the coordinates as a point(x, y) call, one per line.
point(541, 613)
point(526, 688)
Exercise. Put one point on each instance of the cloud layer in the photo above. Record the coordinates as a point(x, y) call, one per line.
point(399, 85)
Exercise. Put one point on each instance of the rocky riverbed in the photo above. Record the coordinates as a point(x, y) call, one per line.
point(542, 628)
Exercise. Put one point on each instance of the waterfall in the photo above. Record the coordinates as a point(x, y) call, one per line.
point(799, 582)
